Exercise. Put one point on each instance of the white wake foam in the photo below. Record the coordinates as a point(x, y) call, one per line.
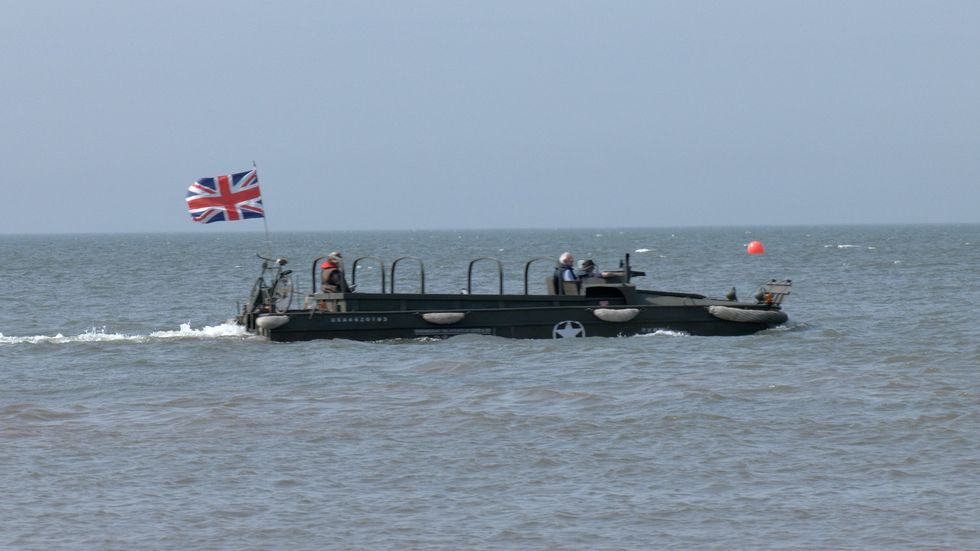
point(227, 329)
point(665, 333)
point(96, 334)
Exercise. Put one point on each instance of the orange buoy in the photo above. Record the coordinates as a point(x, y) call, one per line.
point(755, 247)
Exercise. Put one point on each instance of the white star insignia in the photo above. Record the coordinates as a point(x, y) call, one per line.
point(568, 329)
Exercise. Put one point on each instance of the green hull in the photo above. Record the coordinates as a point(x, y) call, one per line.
point(612, 310)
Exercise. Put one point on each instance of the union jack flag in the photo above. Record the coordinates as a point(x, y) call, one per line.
point(228, 197)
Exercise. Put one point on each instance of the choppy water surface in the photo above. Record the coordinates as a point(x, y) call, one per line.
point(132, 415)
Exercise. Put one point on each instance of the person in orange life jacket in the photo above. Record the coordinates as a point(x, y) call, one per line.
point(332, 279)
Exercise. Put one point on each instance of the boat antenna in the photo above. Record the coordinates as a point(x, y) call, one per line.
point(265, 219)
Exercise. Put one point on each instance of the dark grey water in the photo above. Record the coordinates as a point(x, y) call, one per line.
point(132, 415)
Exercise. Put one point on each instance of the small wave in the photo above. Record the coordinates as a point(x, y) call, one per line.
point(788, 327)
point(642, 250)
point(33, 412)
point(227, 329)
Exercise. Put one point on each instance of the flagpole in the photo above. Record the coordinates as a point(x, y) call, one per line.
point(265, 218)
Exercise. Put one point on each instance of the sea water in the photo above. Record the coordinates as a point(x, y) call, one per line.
point(135, 415)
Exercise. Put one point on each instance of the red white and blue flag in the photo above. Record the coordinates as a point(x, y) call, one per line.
point(228, 197)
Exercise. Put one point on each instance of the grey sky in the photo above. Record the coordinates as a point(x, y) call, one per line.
point(454, 114)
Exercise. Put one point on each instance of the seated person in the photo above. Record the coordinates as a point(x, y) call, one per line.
point(587, 269)
point(332, 278)
point(565, 272)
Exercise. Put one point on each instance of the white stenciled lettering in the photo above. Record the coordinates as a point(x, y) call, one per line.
point(359, 319)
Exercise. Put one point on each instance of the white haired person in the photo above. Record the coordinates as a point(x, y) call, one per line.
point(565, 271)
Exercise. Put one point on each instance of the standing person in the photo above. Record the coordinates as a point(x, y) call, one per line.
point(332, 279)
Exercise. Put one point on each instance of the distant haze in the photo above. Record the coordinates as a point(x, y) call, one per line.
point(442, 114)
